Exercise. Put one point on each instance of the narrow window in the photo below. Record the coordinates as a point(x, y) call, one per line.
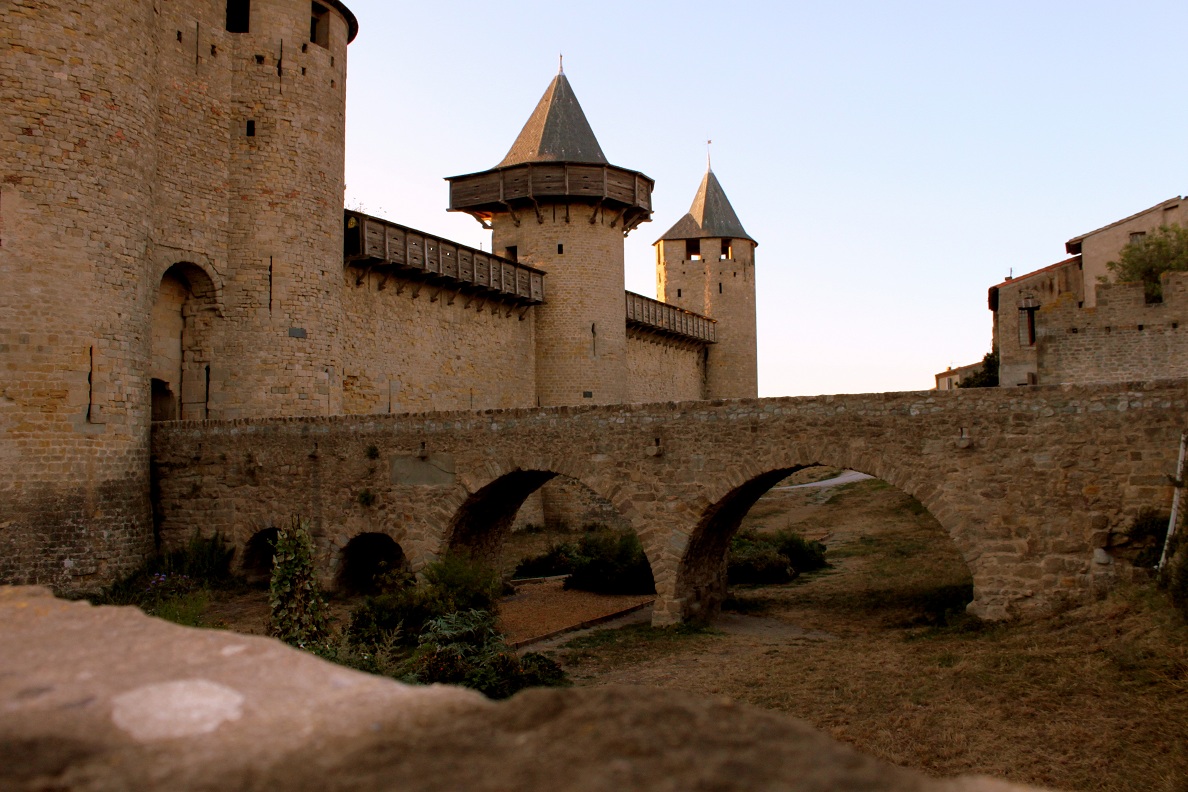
point(560, 249)
point(678, 294)
point(239, 13)
point(693, 249)
point(719, 287)
point(251, 128)
point(511, 253)
point(1027, 326)
point(319, 25)
point(727, 253)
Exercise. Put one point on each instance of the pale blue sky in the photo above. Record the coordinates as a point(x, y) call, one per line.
point(893, 160)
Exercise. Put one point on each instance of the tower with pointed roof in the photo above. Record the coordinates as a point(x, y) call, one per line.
point(705, 263)
point(556, 203)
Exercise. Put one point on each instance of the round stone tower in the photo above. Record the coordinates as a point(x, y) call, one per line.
point(556, 203)
point(77, 160)
point(706, 264)
point(249, 213)
point(170, 239)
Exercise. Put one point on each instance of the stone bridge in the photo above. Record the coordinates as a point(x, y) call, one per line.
point(1029, 483)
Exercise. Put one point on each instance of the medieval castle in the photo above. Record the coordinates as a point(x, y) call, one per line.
point(173, 246)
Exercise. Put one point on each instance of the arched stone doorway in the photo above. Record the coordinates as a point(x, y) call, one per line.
point(181, 354)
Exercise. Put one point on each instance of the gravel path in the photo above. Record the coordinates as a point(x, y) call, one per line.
point(541, 609)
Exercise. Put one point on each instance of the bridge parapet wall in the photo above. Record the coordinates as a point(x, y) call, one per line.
point(1028, 483)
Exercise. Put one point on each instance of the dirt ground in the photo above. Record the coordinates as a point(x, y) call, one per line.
point(1095, 698)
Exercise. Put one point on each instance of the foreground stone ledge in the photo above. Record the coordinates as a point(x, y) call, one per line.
point(102, 698)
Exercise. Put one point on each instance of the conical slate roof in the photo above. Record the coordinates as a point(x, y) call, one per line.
point(711, 215)
point(557, 131)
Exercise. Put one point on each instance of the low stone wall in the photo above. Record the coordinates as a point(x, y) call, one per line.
point(1123, 338)
point(1029, 483)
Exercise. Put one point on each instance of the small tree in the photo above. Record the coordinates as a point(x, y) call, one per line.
point(298, 612)
point(987, 377)
point(1147, 257)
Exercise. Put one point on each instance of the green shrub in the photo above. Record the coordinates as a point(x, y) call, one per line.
point(611, 563)
point(464, 648)
point(297, 608)
point(454, 583)
point(172, 586)
point(557, 560)
point(767, 559)
point(1148, 533)
point(803, 555)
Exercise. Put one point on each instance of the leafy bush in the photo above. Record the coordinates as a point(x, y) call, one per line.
point(297, 608)
point(605, 562)
point(987, 376)
point(172, 586)
point(1145, 259)
point(464, 648)
point(764, 559)
point(557, 560)
point(1149, 533)
point(454, 583)
point(611, 563)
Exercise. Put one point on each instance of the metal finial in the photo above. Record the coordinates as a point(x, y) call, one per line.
point(708, 164)
point(560, 63)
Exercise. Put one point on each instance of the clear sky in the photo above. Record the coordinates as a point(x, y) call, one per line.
point(893, 160)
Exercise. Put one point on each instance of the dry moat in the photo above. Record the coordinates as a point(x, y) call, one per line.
point(1093, 698)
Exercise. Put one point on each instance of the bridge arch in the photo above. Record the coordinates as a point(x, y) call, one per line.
point(483, 520)
point(700, 579)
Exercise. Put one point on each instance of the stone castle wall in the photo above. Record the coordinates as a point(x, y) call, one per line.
point(135, 197)
point(78, 154)
point(660, 369)
point(412, 347)
point(1122, 339)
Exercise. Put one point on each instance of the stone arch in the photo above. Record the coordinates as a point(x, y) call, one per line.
point(182, 316)
point(256, 564)
point(482, 521)
point(700, 583)
point(364, 559)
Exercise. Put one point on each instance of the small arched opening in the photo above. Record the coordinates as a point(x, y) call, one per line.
point(366, 561)
point(892, 559)
point(257, 557)
point(180, 365)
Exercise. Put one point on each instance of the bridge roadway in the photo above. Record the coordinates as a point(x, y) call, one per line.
point(1031, 484)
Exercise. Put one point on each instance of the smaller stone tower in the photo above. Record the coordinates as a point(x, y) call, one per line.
point(556, 203)
point(706, 264)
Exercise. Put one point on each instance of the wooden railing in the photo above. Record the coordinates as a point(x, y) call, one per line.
point(416, 254)
point(658, 317)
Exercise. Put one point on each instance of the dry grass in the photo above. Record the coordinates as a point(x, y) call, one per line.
point(1095, 698)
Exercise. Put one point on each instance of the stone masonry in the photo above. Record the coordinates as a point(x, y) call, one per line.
point(1122, 338)
point(172, 247)
point(1029, 484)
